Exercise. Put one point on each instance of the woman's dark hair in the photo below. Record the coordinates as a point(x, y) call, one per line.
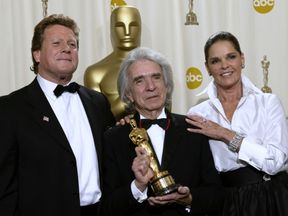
point(221, 36)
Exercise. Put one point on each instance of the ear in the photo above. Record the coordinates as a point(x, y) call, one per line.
point(129, 96)
point(242, 60)
point(36, 55)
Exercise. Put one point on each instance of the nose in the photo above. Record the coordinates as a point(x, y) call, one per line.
point(66, 47)
point(126, 29)
point(150, 85)
point(224, 63)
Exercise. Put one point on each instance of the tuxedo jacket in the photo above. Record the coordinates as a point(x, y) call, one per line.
point(186, 156)
point(38, 173)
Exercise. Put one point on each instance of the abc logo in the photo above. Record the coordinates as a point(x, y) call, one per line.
point(194, 78)
point(263, 6)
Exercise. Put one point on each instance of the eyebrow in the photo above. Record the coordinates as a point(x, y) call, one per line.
point(230, 53)
point(138, 78)
point(142, 76)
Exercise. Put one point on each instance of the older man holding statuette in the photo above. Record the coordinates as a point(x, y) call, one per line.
point(154, 166)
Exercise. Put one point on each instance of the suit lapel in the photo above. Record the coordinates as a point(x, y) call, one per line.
point(43, 114)
point(172, 137)
point(93, 118)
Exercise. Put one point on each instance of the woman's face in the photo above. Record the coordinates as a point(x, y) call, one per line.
point(224, 63)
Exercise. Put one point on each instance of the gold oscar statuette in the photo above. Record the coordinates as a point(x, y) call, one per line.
point(265, 65)
point(191, 17)
point(162, 183)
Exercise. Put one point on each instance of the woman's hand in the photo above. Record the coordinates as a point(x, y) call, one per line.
point(209, 128)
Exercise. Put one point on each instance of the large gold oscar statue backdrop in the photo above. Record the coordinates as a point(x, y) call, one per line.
point(125, 32)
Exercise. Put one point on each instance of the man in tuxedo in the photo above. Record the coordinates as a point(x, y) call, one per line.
point(51, 133)
point(145, 85)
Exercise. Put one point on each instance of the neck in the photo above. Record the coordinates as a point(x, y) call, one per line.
point(231, 94)
point(62, 80)
point(150, 114)
point(121, 53)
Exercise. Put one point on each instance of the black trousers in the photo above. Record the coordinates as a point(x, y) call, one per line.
point(90, 210)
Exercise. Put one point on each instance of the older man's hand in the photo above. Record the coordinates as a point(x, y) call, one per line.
point(182, 196)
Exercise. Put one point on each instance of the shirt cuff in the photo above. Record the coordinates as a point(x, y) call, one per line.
point(253, 153)
point(137, 194)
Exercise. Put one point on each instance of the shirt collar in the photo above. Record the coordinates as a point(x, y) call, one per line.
point(47, 86)
point(162, 115)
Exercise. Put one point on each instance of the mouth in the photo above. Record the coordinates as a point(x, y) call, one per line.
point(226, 74)
point(127, 40)
point(64, 60)
point(152, 97)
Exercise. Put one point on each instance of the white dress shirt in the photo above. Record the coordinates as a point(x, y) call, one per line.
point(72, 117)
point(156, 135)
point(261, 118)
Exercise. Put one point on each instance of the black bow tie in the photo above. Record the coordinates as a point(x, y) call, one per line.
point(72, 88)
point(163, 123)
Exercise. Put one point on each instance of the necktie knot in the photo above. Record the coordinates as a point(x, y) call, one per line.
point(164, 123)
point(72, 88)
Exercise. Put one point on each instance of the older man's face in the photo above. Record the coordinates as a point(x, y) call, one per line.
point(147, 87)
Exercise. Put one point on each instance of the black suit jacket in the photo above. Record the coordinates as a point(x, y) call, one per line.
point(38, 173)
point(186, 156)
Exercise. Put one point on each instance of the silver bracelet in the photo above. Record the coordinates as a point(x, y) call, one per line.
point(235, 143)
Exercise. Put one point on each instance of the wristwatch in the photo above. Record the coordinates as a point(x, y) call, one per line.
point(235, 143)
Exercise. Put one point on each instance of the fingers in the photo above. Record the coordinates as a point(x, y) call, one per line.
point(182, 196)
point(204, 127)
point(141, 161)
point(140, 151)
point(200, 123)
point(121, 122)
point(196, 118)
point(125, 120)
point(159, 200)
point(141, 167)
point(186, 196)
point(183, 190)
point(143, 174)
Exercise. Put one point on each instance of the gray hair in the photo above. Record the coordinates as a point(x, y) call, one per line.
point(138, 54)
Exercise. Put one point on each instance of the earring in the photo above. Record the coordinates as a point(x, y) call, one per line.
point(243, 66)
